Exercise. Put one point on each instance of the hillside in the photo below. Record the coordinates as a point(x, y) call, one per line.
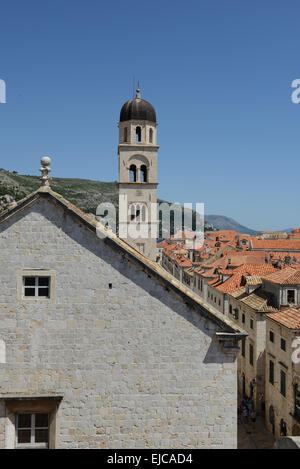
point(84, 193)
point(225, 223)
point(87, 195)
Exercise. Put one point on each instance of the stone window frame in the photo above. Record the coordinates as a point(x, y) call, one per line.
point(294, 290)
point(283, 382)
point(138, 213)
point(31, 405)
point(283, 344)
point(36, 273)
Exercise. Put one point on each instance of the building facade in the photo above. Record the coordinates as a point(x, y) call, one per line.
point(283, 372)
point(100, 347)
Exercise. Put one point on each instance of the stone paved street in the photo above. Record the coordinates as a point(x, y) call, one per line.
point(254, 438)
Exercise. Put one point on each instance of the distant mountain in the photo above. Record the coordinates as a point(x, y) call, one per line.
point(225, 223)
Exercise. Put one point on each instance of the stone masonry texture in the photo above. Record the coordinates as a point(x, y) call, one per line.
point(137, 367)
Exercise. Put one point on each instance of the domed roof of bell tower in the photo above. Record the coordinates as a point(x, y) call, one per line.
point(137, 109)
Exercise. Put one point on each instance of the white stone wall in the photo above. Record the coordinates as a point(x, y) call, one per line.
point(215, 298)
point(136, 366)
point(257, 338)
point(138, 154)
point(131, 132)
point(283, 405)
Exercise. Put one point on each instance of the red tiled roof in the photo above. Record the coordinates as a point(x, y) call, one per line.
point(288, 317)
point(226, 271)
point(287, 276)
point(184, 262)
point(163, 244)
point(275, 244)
point(213, 281)
point(234, 282)
point(282, 255)
point(223, 235)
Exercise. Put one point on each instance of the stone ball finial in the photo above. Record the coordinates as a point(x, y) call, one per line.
point(45, 170)
point(45, 161)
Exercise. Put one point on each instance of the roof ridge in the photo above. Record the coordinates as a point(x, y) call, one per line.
point(207, 310)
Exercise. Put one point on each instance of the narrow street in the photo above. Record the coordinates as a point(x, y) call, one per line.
point(254, 438)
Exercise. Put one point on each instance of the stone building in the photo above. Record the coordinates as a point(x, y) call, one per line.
point(283, 372)
point(100, 347)
point(248, 307)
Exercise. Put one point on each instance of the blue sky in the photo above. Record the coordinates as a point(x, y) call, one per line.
point(218, 72)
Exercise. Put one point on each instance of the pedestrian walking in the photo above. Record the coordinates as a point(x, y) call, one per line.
point(253, 419)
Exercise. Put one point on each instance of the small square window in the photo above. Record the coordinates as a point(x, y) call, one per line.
point(36, 287)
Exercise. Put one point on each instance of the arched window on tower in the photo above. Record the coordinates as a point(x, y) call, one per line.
point(144, 173)
point(138, 134)
point(125, 134)
point(151, 136)
point(138, 213)
point(132, 173)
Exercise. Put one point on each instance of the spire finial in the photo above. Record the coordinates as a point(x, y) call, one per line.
point(138, 96)
point(45, 170)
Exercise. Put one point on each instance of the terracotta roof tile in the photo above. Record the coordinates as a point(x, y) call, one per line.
point(239, 292)
point(289, 318)
point(259, 300)
point(287, 276)
point(234, 282)
point(253, 280)
point(275, 244)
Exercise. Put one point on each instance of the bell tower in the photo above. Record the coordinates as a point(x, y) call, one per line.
point(138, 176)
